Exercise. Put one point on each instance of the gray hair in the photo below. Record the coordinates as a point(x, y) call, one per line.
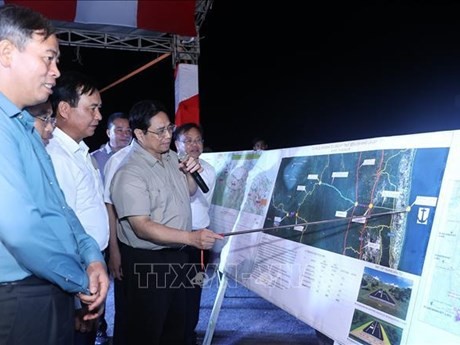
point(18, 24)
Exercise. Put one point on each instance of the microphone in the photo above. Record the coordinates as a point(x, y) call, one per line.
point(196, 175)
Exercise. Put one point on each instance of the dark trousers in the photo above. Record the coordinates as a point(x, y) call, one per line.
point(155, 295)
point(34, 311)
point(194, 284)
point(85, 338)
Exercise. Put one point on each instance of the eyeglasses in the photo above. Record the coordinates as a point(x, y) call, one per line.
point(50, 119)
point(161, 132)
point(189, 141)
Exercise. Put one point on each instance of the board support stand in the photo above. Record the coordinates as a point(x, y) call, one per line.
point(216, 310)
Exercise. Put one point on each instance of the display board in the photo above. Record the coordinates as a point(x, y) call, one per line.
point(364, 236)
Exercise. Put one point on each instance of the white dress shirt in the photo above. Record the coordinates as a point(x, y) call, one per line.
point(81, 183)
point(200, 201)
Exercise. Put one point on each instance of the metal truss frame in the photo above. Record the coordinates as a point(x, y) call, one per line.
point(183, 49)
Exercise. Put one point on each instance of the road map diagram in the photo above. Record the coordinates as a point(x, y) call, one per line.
point(358, 239)
point(244, 181)
point(340, 191)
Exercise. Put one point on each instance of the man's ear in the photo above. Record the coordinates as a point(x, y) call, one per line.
point(64, 109)
point(6, 52)
point(139, 135)
point(107, 132)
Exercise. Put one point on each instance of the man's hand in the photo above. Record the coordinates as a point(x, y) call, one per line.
point(82, 325)
point(115, 262)
point(98, 287)
point(204, 239)
point(190, 164)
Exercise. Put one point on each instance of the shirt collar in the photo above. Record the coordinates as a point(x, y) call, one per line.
point(11, 110)
point(8, 107)
point(68, 142)
point(148, 156)
point(108, 148)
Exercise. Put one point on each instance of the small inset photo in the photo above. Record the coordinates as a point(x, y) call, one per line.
point(385, 292)
point(369, 330)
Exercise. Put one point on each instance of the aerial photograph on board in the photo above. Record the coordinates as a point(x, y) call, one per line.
point(360, 204)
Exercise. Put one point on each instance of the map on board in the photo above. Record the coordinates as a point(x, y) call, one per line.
point(340, 197)
point(235, 190)
point(368, 229)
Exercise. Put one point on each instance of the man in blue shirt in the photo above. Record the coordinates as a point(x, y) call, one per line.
point(46, 257)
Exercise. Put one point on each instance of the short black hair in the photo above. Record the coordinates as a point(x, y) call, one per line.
point(70, 86)
point(185, 127)
point(257, 139)
point(114, 116)
point(141, 113)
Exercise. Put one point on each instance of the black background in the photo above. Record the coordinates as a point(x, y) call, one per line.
point(299, 74)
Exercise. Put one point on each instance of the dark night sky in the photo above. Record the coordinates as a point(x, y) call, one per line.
point(301, 75)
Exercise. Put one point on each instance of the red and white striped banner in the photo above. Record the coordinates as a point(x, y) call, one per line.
point(186, 94)
point(167, 16)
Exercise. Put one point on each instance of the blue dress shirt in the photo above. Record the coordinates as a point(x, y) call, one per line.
point(39, 233)
point(101, 156)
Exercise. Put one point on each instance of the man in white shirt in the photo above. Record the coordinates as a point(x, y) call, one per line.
point(188, 139)
point(119, 135)
point(76, 102)
point(114, 264)
point(110, 169)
